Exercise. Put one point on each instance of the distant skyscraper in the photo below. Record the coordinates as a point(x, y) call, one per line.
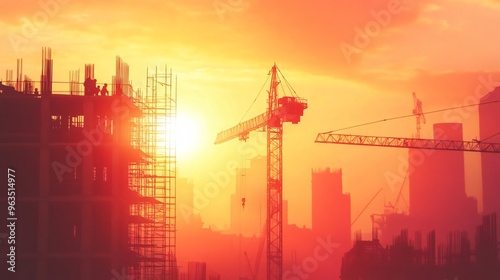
point(489, 125)
point(331, 219)
point(250, 185)
point(197, 271)
point(331, 209)
point(437, 186)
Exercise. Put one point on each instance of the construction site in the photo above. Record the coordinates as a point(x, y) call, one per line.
point(97, 175)
point(98, 192)
point(413, 259)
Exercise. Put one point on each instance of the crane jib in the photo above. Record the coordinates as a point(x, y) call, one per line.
point(413, 143)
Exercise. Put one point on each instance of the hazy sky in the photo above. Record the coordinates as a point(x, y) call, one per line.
point(355, 61)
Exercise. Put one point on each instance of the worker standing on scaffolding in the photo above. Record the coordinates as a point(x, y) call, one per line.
point(88, 85)
point(104, 90)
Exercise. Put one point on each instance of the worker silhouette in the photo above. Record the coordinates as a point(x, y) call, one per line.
point(88, 85)
point(93, 87)
point(97, 90)
point(36, 92)
point(104, 90)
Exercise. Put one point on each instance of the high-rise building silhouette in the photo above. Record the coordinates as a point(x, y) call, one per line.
point(437, 186)
point(331, 222)
point(489, 127)
point(331, 218)
point(331, 208)
point(197, 271)
point(249, 219)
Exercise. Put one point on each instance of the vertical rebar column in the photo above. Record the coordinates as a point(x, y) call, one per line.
point(19, 75)
point(46, 78)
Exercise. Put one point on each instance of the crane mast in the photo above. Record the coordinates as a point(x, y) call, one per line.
point(274, 183)
point(418, 112)
point(279, 111)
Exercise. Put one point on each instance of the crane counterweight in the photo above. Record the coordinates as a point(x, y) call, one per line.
point(292, 108)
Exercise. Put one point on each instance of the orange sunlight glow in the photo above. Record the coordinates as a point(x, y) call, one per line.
point(188, 136)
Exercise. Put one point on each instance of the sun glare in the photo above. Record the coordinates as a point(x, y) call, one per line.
point(188, 132)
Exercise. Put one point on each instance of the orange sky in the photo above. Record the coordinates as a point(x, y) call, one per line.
point(442, 51)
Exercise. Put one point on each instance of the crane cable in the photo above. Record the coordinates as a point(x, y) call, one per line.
point(401, 190)
point(407, 116)
point(244, 175)
point(258, 94)
point(290, 88)
point(243, 202)
point(491, 136)
point(366, 206)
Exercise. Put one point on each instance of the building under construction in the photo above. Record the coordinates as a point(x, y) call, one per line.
point(412, 260)
point(95, 176)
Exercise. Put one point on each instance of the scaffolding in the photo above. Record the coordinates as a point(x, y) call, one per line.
point(152, 231)
point(127, 201)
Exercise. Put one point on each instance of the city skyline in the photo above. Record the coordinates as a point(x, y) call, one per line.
point(223, 70)
point(356, 66)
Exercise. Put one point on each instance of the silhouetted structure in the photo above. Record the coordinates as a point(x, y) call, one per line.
point(489, 126)
point(197, 271)
point(331, 208)
point(89, 205)
point(306, 253)
point(437, 186)
point(331, 216)
point(251, 185)
point(7, 89)
point(279, 111)
point(409, 260)
point(487, 249)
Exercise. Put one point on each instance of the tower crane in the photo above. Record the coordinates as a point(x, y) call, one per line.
point(279, 111)
point(417, 111)
point(413, 143)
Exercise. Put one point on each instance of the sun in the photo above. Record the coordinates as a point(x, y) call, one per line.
point(188, 135)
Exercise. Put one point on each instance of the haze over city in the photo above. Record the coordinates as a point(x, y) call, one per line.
point(356, 63)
